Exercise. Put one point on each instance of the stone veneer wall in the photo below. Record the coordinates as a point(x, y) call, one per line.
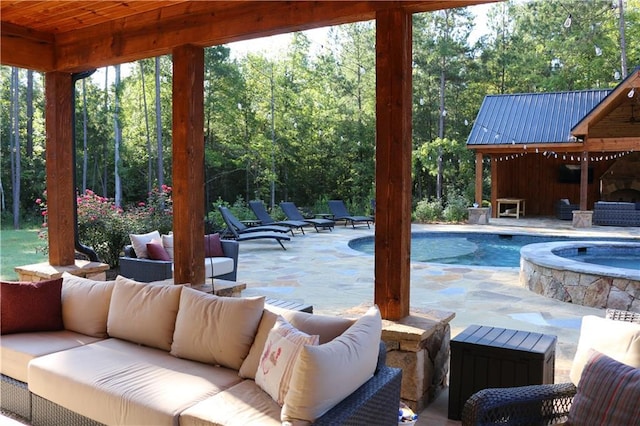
point(419, 344)
point(580, 288)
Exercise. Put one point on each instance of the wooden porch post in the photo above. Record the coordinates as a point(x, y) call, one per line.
point(188, 164)
point(60, 168)
point(584, 180)
point(479, 178)
point(494, 186)
point(393, 163)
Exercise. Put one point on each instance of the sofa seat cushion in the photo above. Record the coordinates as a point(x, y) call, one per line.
point(242, 404)
point(117, 382)
point(216, 266)
point(16, 350)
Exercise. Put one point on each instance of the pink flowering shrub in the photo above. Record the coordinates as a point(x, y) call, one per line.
point(105, 227)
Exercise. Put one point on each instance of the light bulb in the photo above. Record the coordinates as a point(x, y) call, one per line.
point(616, 75)
point(598, 51)
point(631, 93)
point(567, 22)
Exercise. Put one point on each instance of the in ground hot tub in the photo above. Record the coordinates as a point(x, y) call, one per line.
point(601, 274)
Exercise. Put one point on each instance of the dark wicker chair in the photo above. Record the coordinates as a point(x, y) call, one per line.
point(527, 405)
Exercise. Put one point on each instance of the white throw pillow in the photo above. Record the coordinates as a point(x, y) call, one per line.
point(143, 313)
point(167, 243)
point(278, 357)
point(139, 243)
point(324, 375)
point(85, 304)
point(216, 330)
point(619, 340)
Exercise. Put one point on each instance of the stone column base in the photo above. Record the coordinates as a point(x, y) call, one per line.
point(582, 218)
point(419, 344)
point(44, 271)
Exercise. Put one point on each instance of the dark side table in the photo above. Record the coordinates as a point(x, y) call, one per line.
point(492, 357)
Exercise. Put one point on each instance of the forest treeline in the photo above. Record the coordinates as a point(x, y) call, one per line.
point(300, 125)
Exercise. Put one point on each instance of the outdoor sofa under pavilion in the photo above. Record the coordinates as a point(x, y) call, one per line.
point(129, 353)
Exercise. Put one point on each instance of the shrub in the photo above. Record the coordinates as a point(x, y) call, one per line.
point(428, 211)
point(106, 228)
point(456, 210)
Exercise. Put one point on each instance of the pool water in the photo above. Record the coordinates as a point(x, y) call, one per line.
point(479, 249)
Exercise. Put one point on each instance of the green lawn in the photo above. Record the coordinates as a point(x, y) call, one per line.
point(18, 248)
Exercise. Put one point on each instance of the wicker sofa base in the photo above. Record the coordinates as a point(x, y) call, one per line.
point(369, 404)
point(15, 397)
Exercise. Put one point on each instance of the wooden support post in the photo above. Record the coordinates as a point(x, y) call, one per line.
point(188, 164)
point(494, 186)
point(584, 181)
point(479, 178)
point(60, 168)
point(393, 163)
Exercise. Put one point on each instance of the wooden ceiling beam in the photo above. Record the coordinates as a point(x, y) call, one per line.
point(26, 48)
point(612, 144)
point(530, 148)
point(203, 23)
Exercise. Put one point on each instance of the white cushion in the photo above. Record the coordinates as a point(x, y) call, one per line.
point(85, 304)
point(139, 243)
point(16, 350)
point(241, 405)
point(116, 382)
point(326, 374)
point(143, 313)
point(250, 363)
point(215, 330)
point(167, 243)
point(619, 340)
point(216, 266)
point(278, 357)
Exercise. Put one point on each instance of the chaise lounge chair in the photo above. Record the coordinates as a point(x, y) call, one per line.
point(231, 220)
point(291, 211)
point(241, 228)
point(340, 212)
point(265, 219)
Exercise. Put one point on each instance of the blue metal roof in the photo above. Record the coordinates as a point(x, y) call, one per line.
point(530, 118)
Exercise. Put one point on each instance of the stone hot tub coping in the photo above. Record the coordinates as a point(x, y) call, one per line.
point(544, 271)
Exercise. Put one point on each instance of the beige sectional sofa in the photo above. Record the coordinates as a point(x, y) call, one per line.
point(133, 353)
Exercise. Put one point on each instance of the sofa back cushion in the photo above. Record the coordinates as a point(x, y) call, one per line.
point(167, 243)
point(143, 313)
point(215, 330)
point(139, 243)
point(325, 327)
point(326, 374)
point(30, 306)
point(609, 393)
point(85, 304)
point(619, 340)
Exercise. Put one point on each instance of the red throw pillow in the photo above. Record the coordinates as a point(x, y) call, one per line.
point(157, 252)
point(26, 306)
point(213, 246)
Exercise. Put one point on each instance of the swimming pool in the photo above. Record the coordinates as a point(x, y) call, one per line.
point(467, 248)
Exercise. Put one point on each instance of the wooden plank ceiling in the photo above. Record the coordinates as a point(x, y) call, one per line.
point(79, 35)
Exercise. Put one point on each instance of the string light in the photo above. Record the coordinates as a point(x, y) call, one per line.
point(598, 51)
point(567, 22)
point(631, 93)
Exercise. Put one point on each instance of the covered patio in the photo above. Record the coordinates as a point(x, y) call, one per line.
point(544, 147)
point(65, 38)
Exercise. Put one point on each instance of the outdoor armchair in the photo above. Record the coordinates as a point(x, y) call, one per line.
point(546, 404)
